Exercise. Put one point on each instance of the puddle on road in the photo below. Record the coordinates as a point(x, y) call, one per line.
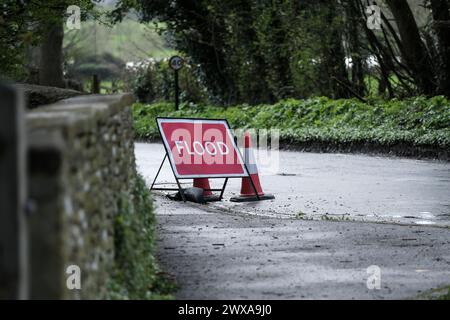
point(425, 222)
point(422, 218)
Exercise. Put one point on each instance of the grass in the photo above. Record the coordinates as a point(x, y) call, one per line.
point(416, 122)
point(136, 274)
point(445, 296)
point(440, 293)
point(129, 40)
point(106, 86)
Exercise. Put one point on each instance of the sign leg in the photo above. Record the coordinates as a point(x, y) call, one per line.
point(223, 188)
point(251, 181)
point(253, 186)
point(157, 174)
point(181, 190)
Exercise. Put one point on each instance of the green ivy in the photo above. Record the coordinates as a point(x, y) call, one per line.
point(418, 121)
point(136, 274)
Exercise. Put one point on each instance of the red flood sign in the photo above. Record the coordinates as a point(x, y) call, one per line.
point(201, 148)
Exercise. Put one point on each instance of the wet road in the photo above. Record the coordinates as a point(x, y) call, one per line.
point(245, 251)
point(213, 254)
point(336, 186)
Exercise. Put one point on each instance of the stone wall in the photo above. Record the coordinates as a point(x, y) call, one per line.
point(13, 234)
point(36, 95)
point(81, 162)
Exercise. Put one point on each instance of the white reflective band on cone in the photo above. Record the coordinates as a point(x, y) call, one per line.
point(250, 161)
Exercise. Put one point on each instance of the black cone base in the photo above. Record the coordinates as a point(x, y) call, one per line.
point(266, 196)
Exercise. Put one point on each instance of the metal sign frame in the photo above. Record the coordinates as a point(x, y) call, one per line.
point(246, 173)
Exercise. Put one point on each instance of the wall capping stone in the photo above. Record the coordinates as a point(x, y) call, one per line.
point(36, 95)
point(78, 112)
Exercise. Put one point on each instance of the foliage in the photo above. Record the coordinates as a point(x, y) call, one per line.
point(136, 274)
point(120, 54)
point(106, 66)
point(417, 121)
point(445, 296)
point(22, 25)
point(153, 81)
point(247, 51)
point(128, 40)
point(261, 51)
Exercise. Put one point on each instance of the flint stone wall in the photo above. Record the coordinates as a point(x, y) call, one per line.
point(81, 162)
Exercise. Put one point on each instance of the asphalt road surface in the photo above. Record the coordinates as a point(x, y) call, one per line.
point(316, 239)
point(337, 186)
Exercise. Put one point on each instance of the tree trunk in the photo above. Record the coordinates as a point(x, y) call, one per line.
point(51, 60)
point(282, 85)
point(441, 17)
point(354, 44)
point(334, 55)
point(415, 53)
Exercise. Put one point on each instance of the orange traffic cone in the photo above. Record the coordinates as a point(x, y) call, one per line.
point(203, 183)
point(251, 183)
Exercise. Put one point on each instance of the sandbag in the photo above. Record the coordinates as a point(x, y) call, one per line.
point(192, 194)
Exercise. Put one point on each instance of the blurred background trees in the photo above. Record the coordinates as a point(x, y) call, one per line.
point(239, 51)
point(31, 39)
point(261, 51)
